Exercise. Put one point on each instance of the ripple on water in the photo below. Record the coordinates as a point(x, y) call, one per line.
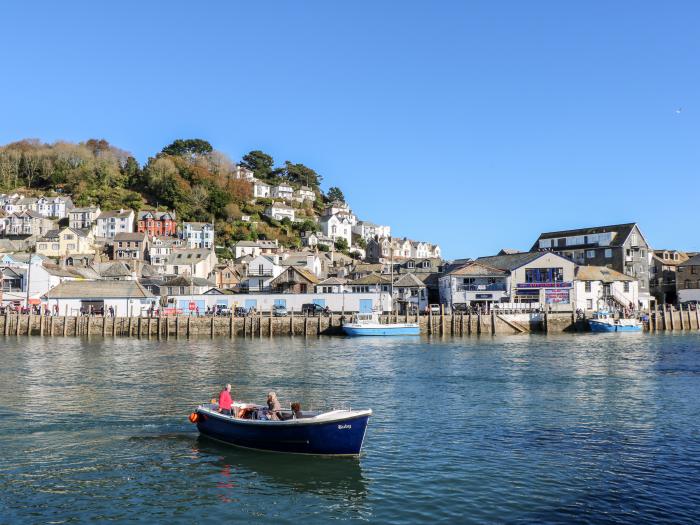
point(562, 429)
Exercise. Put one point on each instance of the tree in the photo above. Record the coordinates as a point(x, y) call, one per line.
point(191, 148)
point(335, 194)
point(260, 163)
point(131, 171)
point(362, 243)
point(300, 174)
point(341, 244)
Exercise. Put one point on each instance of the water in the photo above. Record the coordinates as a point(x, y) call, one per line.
point(525, 429)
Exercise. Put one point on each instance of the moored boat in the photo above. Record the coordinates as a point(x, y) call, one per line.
point(604, 321)
point(368, 324)
point(334, 433)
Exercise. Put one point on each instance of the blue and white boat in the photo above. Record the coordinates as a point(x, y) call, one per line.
point(368, 324)
point(604, 321)
point(334, 433)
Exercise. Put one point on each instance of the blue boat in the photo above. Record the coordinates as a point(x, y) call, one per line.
point(604, 321)
point(334, 433)
point(368, 324)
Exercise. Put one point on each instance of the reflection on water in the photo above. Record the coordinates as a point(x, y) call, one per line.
point(523, 429)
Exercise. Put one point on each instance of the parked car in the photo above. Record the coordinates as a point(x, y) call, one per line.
point(279, 310)
point(222, 310)
point(239, 311)
point(314, 309)
point(434, 309)
point(460, 308)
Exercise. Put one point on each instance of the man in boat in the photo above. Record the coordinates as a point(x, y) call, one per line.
point(274, 407)
point(296, 410)
point(225, 401)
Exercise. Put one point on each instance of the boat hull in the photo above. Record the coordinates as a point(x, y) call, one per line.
point(355, 330)
point(334, 437)
point(599, 326)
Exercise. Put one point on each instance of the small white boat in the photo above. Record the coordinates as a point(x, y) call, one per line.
point(368, 324)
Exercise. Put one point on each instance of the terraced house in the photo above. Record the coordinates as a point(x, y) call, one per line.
point(688, 280)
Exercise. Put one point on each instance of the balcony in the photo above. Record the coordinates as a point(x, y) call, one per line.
point(493, 287)
point(259, 273)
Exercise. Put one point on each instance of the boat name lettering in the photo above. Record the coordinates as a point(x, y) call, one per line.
point(344, 427)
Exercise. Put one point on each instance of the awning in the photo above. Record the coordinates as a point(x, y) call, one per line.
point(34, 301)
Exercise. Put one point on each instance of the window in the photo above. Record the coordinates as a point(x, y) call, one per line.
point(608, 253)
point(687, 283)
point(633, 239)
point(693, 269)
point(589, 304)
point(588, 286)
point(626, 287)
point(665, 255)
point(544, 275)
point(590, 254)
point(545, 243)
point(675, 256)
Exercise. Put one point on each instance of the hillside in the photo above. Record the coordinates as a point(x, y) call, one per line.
point(188, 176)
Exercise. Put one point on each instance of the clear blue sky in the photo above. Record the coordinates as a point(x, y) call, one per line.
point(472, 124)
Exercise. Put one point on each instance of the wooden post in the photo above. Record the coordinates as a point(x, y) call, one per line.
point(51, 325)
point(104, 325)
point(680, 316)
point(546, 323)
point(42, 321)
point(65, 323)
point(478, 321)
point(177, 325)
point(260, 325)
point(697, 316)
point(673, 321)
point(148, 326)
point(291, 322)
point(114, 326)
point(656, 317)
point(189, 318)
point(7, 322)
point(230, 326)
point(167, 328)
point(430, 320)
point(211, 327)
point(306, 325)
point(461, 323)
point(270, 323)
point(158, 328)
point(87, 325)
point(77, 326)
point(29, 324)
point(493, 322)
point(130, 321)
point(442, 319)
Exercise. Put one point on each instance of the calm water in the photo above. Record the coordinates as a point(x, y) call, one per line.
point(588, 428)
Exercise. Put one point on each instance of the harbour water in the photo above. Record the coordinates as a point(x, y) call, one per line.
point(521, 429)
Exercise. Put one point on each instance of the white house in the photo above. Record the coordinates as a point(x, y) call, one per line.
point(312, 239)
point(598, 287)
point(18, 278)
point(261, 190)
point(126, 298)
point(255, 248)
point(368, 230)
point(307, 260)
point(159, 251)
point(260, 271)
point(473, 284)
point(280, 211)
point(111, 222)
point(283, 191)
point(81, 218)
point(336, 227)
point(410, 294)
point(198, 262)
point(241, 172)
point(57, 207)
point(304, 194)
point(198, 234)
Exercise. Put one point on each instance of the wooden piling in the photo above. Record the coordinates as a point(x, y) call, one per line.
point(680, 316)
point(104, 325)
point(430, 321)
point(673, 321)
point(493, 322)
point(442, 319)
point(114, 325)
point(211, 327)
point(7, 322)
point(177, 326)
point(167, 328)
point(189, 318)
point(230, 326)
point(87, 325)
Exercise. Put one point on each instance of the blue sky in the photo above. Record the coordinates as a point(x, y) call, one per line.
point(472, 124)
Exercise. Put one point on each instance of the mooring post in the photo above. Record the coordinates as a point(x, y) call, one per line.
point(177, 325)
point(430, 320)
point(493, 322)
point(189, 319)
point(291, 321)
point(211, 328)
point(7, 324)
point(230, 326)
point(167, 328)
point(442, 319)
point(306, 325)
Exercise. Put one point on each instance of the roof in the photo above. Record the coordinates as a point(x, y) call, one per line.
point(198, 224)
point(99, 290)
point(373, 278)
point(186, 280)
point(508, 251)
point(158, 215)
point(408, 280)
point(188, 256)
point(600, 273)
point(510, 262)
point(693, 261)
point(332, 281)
point(682, 257)
point(130, 236)
point(306, 274)
point(622, 231)
point(478, 269)
point(89, 209)
point(113, 269)
point(123, 214)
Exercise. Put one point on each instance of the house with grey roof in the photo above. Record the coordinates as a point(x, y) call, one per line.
point(112, 222)
point(473, 284)
point(621, 247)
point(198, 234)
point(410, 294)
point(688, 280)
point(126, 298)
point(199, 262)
point(81, 218)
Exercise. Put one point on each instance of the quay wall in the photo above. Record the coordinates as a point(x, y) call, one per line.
point(265, 326)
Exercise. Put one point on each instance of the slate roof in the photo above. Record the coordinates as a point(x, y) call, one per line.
point(693, 261)
point(157, 215)
point(186, 280)
point(408, 280)
point(122, 214)
point(478, 269)
point(600, 273)
point(306, 274)
point(373, 278)
point(332, 281)
point(622, 232)
point(130, 236)
point(99, 290)
point(510, 262)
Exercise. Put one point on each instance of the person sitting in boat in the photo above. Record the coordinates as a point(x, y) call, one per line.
point(225, 401)
point(296, 410)
point(274, 407)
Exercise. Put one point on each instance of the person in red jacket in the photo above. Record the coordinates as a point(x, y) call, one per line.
point(225, 400)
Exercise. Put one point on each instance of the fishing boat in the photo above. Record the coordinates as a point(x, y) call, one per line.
point(334, 433)
point(368, 324)
point(604, 321)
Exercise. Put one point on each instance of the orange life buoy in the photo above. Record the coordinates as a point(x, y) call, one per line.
point(194, 417)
